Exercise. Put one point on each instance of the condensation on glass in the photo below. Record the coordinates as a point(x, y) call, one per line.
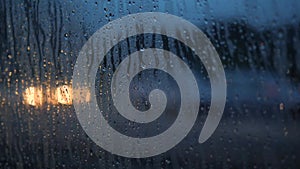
point(258, 44)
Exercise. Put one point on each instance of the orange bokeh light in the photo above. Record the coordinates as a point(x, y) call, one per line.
point(33, 96)
point(64, 94)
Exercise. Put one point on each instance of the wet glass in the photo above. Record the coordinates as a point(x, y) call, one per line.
point(258, 43)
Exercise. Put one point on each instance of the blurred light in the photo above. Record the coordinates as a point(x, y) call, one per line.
point(33, 96)
point(82, 95)
point(51, 96)
point(64, 94)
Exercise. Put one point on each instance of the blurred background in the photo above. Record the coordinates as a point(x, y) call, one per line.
point(258, 43)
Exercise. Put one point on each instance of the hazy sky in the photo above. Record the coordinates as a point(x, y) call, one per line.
point(258, 13)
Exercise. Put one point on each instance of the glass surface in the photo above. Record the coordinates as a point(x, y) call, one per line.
point(258, 43)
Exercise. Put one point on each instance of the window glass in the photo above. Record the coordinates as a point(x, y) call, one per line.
point(257, 42)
